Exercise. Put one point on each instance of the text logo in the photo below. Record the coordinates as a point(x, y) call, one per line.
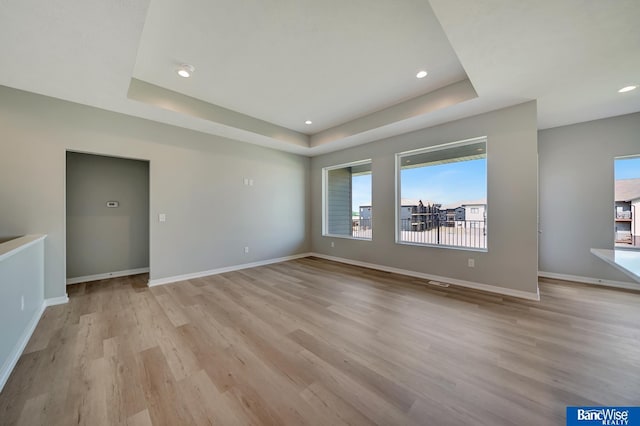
point(603, 416)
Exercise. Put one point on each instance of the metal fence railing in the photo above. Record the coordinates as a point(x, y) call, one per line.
point(625, 214)
point(456, 233)
point(361, 228)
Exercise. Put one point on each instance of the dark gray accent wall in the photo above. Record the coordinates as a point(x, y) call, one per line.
point(102, 239)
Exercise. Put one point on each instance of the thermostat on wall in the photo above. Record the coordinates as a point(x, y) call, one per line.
point(112, 204)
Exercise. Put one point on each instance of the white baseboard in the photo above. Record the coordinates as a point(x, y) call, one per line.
point(52, 301)
point(106, 276)
point(176, 278)
point(15, 354)
point(462, 283)
point(589, 280)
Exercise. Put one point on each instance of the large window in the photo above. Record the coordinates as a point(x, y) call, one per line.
point(442, 195)
point(627, 202)
point(347, 208)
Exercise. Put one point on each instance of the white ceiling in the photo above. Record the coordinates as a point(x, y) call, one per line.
point(330, 61)
point(265, 66)
point(570, 55)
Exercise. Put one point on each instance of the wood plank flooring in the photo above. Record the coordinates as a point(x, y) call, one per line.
point(312, 342)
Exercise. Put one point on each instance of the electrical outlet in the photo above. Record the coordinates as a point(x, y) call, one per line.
point(471, 263)
point(333, 244)
point(162, 217)
point(246, 250)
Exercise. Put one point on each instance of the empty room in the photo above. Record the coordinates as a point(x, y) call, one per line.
point(328, 213)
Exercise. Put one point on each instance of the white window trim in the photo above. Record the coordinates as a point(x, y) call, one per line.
point(398, 192)
point(325, 203)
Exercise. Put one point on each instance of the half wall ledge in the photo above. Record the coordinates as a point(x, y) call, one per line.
point(626, 261)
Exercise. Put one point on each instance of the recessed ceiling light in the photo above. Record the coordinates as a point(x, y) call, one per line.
point(308, 122)
point(185, 70)
point(627, 89)
point(421, 74)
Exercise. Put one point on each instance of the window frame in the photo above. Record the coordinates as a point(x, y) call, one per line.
point(325, 199)
point(398, 192)
point(618, 244)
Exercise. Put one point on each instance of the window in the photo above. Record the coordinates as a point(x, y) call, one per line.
point(627, 202)
point(347, 208)
point(442, 195)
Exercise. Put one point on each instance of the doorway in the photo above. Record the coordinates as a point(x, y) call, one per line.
point(107, 217)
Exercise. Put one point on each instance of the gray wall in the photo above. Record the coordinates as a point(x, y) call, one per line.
point(102, 239)
point(21, 275)
point(577, 193)
point(339, 221)
point(196, 179)
point(512, 164)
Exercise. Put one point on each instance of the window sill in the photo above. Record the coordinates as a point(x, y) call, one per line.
point(626, 247)
point(442, 246)
point(346, 237)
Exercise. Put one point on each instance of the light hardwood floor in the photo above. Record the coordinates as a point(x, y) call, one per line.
point(315, 342)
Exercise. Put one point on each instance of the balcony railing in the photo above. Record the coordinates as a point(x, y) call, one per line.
point(454, 233)
point(361, 228)
point(623, 214)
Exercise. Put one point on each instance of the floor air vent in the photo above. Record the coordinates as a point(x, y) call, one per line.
point(439, 284)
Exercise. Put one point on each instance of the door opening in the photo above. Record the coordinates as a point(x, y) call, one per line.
point(107, 217)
